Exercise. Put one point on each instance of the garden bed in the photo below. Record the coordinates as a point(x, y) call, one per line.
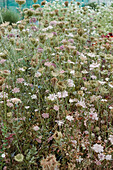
point(56, 88)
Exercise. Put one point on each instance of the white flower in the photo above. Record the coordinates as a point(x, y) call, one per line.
point(73, 100)
point(62, 94)
point(91, 55)
point(102, 82)
point(52, 97)
point(27, 107)
point(21, 69)
point(70, 118)
point(3, 155)
point(60, 122)
point(3, 95)
point(36, 128)
point(15, 100)
point(79, 159)
point(94, 65)
point(108, 157)
point(101, 156)
point(93, 77)
point(70, 83)
point(110, 85)
point(84, 71)
point(34, 96)
point(49, 27)
point(98, 148)
point(111, 139)
point(81, 104)
point(37, 74)
point(107, 79)
point(72, 72)
point(93, 115)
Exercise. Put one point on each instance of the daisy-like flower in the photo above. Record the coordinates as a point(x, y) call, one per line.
point(56, 107)
point(101, 156)
point(70, 118)
point(52, 97)
point(97, 148)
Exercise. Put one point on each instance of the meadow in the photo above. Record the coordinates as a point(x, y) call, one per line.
point(56, 88)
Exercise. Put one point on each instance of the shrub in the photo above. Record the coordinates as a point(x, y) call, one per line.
point(9, 16)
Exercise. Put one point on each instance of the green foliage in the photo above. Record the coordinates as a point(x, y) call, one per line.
point(9, 16)
point(112, 5)
point(94, 5)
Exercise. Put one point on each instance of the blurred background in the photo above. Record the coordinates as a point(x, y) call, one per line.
point(11, 4)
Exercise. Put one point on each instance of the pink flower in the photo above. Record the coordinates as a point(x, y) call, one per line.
point(56, 107)
point(50, 138)
point(61, 47)
point(36, 128)
point(101, 156)
point(62, 71)
point(98, 162)
point(48, 64)
point(38, 140)
point(16, 90)
point(71, 40)
point(2, 61)
point(20, 80)
point(45, 115)
point(53, 23)
point(10, 104)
